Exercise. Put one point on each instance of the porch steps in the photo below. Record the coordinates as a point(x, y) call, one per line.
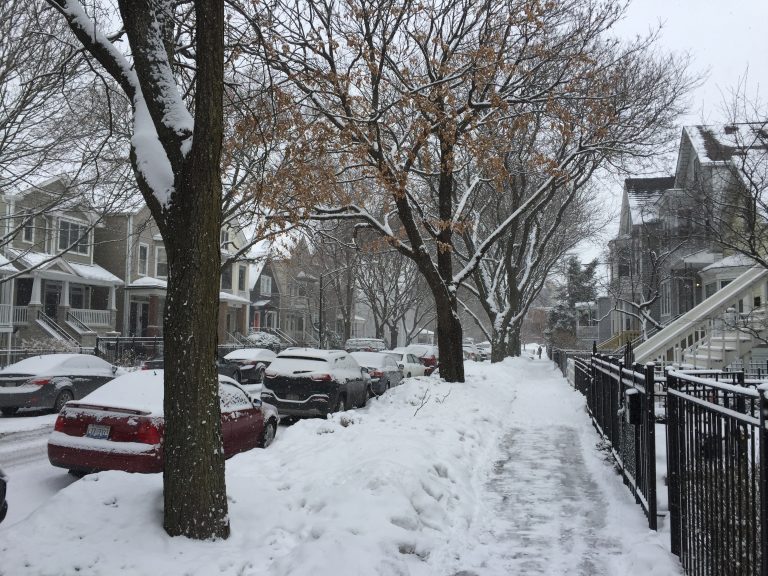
point(700, 336)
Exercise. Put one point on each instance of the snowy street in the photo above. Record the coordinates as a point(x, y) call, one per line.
point(500, 475)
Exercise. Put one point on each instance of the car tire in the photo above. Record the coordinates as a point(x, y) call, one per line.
point(63, 397)
point(9, 410)
point(408, 375)
point(341, 405)
point(77, 473)
point(270, 431)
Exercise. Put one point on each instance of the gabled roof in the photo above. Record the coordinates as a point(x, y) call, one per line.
point(642, 195)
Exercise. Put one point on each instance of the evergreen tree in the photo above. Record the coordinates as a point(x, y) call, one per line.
point(579, 286)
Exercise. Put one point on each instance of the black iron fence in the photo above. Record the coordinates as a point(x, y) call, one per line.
point(128, 351)
point(621, 403)
point(718, 475)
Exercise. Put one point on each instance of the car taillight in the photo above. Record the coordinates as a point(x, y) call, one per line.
point(60, 423)
point(322, 377)
point(39, 381)
point(148, 432)
point(428, 360)
point(377, 374)
point(270, 374)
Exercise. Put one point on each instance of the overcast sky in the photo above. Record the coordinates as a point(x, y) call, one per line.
point(726, 39)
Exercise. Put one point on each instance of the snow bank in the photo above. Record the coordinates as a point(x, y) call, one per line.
point(397, 488)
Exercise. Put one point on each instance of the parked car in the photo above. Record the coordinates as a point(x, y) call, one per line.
point(120, 426)
point(382, 369)
point(485, 350)
point(364, 345)
point(427, 354)
point(3, 490)
point(51, 380)
point(309, 382)
point(408, 363)
point(471, 352)
point(246, 365)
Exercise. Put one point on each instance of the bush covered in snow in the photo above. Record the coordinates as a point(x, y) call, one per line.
point(265, 340)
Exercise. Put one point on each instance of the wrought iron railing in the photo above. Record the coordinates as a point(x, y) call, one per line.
point(718, 475)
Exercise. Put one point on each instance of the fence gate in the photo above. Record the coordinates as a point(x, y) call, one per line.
point(718, 476)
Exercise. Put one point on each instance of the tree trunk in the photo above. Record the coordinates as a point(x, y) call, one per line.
point(498, 346)
point(193, 478)
point(449, 338)
point(394, 333)
point(513, 341)
point(194, 487)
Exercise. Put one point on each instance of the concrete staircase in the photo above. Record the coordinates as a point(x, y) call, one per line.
point(723, 328)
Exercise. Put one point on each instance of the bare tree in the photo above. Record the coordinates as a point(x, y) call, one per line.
point(175, 153)
point(414, 95)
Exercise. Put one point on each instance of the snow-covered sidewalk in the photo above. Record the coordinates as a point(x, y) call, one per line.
point(497, 476)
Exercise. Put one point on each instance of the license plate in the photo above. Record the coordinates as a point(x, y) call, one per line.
point(293, 396)
point(97, 431)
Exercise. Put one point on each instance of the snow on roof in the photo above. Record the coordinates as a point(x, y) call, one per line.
point(149, 282)
point(643, 195)
point(227, 297)
point(260, 303)
point(701, 257)
point(6, 266)
point(94, 272)
point(733, 261)
point(159, 284)
point(43, 260)
point(719, 143)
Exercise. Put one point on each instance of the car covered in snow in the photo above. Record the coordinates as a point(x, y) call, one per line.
point(303, 382)
point(365, 345)
point(382, 369)
point(427, 354)
point(408, 363)
point(3, 490)
point(120, 426)
point(246, 365)
point(50, 380)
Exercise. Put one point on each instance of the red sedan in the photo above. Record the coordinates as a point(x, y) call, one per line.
point(120, 425)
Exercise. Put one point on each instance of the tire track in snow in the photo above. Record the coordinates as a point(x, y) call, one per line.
point(20, 448)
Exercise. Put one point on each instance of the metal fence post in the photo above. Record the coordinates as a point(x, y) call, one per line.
point(650, 420)
point(673, 464)
point(763, 480)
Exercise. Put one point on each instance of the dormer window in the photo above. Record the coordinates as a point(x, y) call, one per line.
point(75, 235)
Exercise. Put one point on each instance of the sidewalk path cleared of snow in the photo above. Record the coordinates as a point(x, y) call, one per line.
point(497, 476)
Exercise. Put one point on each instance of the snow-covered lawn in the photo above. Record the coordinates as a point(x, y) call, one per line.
point(496, 476)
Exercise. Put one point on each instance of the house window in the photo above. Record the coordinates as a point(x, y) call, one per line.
point(224, 239)
point(73, 234)
point(241, 278)
point(143, 259)
point(226, 278)
point(28, 228)
point(265, 285)
point(161, 262)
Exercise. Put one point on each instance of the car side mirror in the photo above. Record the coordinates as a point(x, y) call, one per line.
point(256, 402)
point(401, 365)
point(114, 369)
point(364, 369)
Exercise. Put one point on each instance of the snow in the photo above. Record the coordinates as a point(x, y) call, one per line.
point(41, 365)
point(732, 261)
point(251, 354)
point(496, 476)
point(95, 272)
point(162, 284)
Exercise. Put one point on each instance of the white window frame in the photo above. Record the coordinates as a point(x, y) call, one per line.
point(158, 249)
point(74, 249)
point(28, 225)
point(143, 271)
point(265, 285)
